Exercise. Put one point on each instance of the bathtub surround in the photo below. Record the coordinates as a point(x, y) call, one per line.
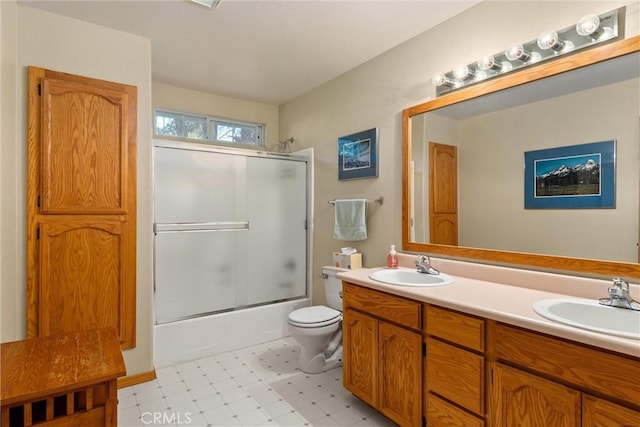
point(191, 339)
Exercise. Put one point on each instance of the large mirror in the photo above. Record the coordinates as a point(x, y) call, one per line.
point(464, 158)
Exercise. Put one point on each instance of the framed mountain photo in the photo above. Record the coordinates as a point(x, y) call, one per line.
point(358, 155)
point(572, 177)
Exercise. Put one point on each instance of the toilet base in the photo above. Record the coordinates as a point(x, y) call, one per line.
point(315, 364)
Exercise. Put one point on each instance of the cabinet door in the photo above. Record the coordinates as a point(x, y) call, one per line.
point(400, 374)
point(360, 356)
point(524, 400)
point(601, 413)
point(80, 273)
point(81, 205)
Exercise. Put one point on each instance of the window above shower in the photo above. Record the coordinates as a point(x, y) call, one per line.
point(206, 128)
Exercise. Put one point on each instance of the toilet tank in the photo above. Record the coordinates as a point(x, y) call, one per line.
point(333, 287)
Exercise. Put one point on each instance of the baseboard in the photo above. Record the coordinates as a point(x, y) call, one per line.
point(136, 379)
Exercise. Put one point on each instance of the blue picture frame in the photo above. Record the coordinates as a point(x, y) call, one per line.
point(572, 177)
point(358, 155)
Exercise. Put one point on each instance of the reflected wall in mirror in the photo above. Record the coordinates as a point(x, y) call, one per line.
point(591, 96)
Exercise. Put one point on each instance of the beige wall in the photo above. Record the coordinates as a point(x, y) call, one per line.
point(63, 44)
point(375, 93)
point(186, 100)
point(11, 295)
point(491, 148)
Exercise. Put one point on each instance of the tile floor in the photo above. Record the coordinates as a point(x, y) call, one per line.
point(254, 386)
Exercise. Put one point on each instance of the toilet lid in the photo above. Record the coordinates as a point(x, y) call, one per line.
point(314, 314)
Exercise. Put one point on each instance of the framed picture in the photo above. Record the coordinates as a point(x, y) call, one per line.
point(572, 177)
point(358, 155)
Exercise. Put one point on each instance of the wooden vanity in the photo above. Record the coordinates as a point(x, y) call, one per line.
point(422, 364)
point(61, 380)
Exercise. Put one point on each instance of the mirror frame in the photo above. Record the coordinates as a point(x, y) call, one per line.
point(591, 267)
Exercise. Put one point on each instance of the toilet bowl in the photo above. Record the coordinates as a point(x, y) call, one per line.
point(318, 329)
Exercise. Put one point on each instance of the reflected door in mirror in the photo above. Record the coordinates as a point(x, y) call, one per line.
point(443, 191)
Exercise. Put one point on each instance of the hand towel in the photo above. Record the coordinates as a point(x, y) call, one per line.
point(351, 220)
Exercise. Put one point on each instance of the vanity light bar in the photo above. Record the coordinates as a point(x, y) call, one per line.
point(590, 31)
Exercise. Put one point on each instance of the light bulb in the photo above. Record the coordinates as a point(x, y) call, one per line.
point(550, 40)
point(463, 72)
point(517, 52)
point(440, 79)
point(489, 62)
point(589, 26)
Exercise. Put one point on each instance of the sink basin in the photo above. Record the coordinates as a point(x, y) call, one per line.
point(410, 278)
point(588, 314)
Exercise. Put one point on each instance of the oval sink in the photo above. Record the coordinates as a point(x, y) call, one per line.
point(588, 314)
point(410, 278)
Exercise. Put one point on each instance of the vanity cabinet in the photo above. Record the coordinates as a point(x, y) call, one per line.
point(542, 380)
point(455, 368)
point(382, 360)
point(418, 363)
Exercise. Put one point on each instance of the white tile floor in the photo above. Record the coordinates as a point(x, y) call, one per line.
point(254, 386)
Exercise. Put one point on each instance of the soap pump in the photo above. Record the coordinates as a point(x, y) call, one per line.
point(392, 258)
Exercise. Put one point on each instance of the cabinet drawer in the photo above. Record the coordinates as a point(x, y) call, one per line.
point(382, 305)
point(580, 365)
point(462, 329)
point(456, 374)
point(441, 413)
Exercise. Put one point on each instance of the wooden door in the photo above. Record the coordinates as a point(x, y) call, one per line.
point(601, 413)
point(360, 356)
point(400, 374)
point(443, 194)
point(525, 400)
point(81, 232)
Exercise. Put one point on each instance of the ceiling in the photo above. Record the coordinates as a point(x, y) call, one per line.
point(267, 51)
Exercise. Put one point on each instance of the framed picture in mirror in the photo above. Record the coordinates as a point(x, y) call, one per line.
point(571, 177)
point(358, 155)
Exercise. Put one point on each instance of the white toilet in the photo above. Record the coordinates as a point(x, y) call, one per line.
point(318, 329)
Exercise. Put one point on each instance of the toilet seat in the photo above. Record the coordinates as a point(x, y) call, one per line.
point(314, 317)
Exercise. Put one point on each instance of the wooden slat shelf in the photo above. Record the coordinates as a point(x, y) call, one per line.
point(61, 380)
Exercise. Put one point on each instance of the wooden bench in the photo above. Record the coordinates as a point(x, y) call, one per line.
point(61, 380)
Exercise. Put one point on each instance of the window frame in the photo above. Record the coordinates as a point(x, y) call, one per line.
point(211, 122)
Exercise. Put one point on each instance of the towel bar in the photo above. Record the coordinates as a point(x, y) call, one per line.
point(378, 200)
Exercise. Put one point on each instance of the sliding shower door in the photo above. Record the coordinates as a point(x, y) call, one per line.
point(230, 230)
point(277, 205)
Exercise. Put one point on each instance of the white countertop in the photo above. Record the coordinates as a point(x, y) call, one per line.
point(501, 302)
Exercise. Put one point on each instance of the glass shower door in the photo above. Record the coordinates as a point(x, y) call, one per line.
point(277, 241)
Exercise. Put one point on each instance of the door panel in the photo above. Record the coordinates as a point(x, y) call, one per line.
point(443, 194)
point(522, 399)
point(198, 272)
point(84, 155)
point(80, 274)
point(400, 374)
point(360, 338)
point(193, 186)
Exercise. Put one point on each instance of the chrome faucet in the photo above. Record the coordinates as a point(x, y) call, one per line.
point(619, 296)
point(423, 264)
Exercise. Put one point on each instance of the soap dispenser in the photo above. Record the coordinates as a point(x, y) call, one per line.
point(392, 258)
